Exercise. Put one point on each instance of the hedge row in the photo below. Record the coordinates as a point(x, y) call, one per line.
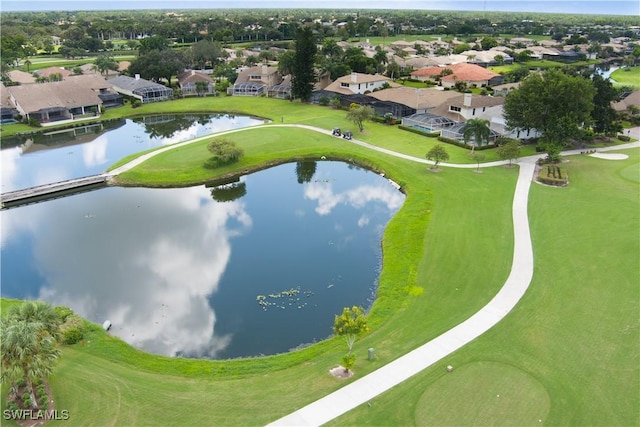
point(553, 175)
point(419, 132)
point(463, 144)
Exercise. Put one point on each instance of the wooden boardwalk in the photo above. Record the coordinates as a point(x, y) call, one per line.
point(51, 191)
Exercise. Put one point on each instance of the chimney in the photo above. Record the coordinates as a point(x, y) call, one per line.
point(467, 100)
point(354, 77)
point(264, 70)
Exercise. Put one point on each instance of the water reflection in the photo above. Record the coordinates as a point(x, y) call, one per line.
point(178, 271)
point(87, 150)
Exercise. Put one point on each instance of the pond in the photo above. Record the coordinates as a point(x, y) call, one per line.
point(87, 150)
point(259, 266)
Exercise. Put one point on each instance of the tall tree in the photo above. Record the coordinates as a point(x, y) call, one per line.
point(304, 76)
point(478, 130)
point(554, 104)
point(105, 62)
point(604, 116)
point(305, 171)
point(205, 53)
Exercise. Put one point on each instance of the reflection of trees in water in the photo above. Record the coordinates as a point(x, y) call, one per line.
point(305, 171)
point(229, 192)
point(167, 125)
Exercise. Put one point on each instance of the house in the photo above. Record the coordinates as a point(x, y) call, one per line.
point(21, 77)
point(471, 74)
point(487, 58)
point(505, 89)
point(51, 73)
point(281, 90)
point(467, 106)
point(255, 81)
point(64, 100)
point(561, 56)
point(417, 100)
point(628, 103)
point(8, 113)
point(144, 90)
point(193, 82)
point(358, 83)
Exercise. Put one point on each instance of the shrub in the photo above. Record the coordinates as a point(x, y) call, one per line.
point(224, 152)
point(624, 138)
point(136, 103)
point(63, 312)
point(44, 401)
point(420, 132)
point(463, 144)
point(72, 330)
point(348, 360)
point(552, 174)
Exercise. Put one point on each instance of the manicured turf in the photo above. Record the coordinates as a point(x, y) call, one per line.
point(576, 331)
point(446, 253)
point(627, 76)
point(497, 393)
point(417, 300)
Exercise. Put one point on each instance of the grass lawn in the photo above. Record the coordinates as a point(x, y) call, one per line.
point(570, 349)
point(571, 341)
point(627, 76)
point(105, 380)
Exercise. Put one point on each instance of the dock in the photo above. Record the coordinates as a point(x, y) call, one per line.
point(51, 191)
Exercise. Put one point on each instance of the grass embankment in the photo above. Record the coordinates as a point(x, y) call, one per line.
point(431, 279)
point(568, 354)
point(627, 76)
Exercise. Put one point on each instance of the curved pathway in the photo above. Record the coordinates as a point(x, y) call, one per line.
point(364, 389)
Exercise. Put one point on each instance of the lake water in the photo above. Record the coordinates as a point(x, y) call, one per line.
point(259, 267)
point(88, 150)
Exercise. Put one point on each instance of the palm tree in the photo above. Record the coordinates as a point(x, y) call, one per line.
point(28, 348)
point(479, 130)
point(28, 353)
point(36, 312)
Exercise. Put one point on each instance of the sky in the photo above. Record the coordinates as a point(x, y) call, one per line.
point(598, 7)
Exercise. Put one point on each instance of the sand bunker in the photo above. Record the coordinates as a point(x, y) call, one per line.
point(610, 156)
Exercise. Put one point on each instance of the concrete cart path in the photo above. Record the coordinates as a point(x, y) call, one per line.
point(366, 388)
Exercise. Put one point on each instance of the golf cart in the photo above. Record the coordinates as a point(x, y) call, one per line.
point(347, 135)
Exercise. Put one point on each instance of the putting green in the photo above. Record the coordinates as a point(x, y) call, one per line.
point(631, 172)
point(486, 394)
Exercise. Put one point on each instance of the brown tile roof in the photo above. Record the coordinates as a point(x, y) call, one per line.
point(21, 77)
point(415, 98)
point(192, 76)
point(477, 101)
point(461, 72)
point(76, 91)
point(362, 78)
point(46, 72)
point(632, 99)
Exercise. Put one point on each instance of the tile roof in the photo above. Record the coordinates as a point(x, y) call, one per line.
point(76, 91)
point(415, 98)
point(46, 72)
point(22, 77)
point(131, 83)
point(461, 72)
